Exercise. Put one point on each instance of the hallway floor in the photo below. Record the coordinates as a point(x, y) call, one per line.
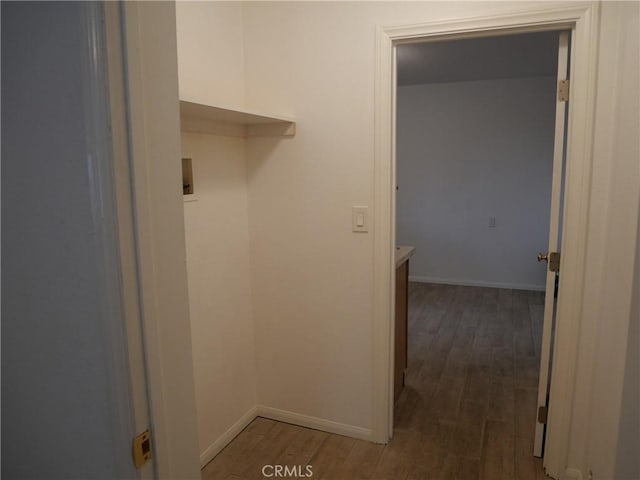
point(467, 410)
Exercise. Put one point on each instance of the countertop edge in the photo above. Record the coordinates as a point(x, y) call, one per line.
point(403, 252)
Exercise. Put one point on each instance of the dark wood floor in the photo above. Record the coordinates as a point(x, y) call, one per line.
point(467, 410)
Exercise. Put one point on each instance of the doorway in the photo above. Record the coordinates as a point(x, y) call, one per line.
point(580, 22)
point(476, 120)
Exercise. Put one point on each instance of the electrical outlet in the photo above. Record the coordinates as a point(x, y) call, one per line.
point(492, 222)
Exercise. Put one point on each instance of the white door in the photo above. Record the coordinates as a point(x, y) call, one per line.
point(553, 248)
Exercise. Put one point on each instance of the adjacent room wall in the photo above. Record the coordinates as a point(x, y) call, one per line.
point(466, 152)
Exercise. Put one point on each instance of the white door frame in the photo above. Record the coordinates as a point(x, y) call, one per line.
point(582, 20)
point(153, 123)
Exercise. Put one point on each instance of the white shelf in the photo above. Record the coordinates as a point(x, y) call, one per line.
point(201, 118)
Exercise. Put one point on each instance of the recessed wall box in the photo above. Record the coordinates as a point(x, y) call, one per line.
point(187, 177)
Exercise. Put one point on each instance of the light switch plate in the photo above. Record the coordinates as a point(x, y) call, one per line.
point(360, 219)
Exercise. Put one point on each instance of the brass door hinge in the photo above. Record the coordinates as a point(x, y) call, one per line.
point(563, 91)
point(552, 258)
point(141, 448)
point(542, 414)
point(554, 261)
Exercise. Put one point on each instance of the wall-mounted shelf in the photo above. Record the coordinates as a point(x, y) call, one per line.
point(201, 118)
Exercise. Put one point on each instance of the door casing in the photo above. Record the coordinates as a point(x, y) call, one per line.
point(149, 53)
point(582, 20)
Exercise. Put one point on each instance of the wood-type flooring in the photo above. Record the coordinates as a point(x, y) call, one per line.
point(467, 410)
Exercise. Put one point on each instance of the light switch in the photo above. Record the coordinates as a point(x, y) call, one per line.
point(359, 219)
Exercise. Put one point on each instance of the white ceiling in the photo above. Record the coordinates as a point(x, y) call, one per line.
point(509, 56)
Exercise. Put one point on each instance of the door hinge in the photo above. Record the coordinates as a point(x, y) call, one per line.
point(563, 91)
point(554, 261)
point(141, 448)
point(542, 414)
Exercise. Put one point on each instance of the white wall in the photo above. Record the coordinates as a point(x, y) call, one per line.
point(211, 52)
point(467, 151)
point(312, 278)
point(63, 378)
point(211, 70)
point(216, 227)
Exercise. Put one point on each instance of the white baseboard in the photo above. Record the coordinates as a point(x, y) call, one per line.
point(315, 422)
point(282, 416)
point(475, 283)
point(224, 439)
point(573, 474)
